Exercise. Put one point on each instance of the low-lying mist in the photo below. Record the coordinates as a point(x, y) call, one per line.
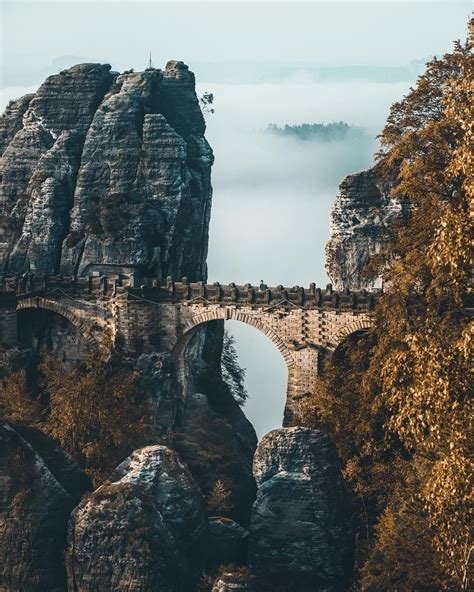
point(273, 194)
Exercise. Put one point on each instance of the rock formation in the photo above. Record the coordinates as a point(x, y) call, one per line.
point(227, 542)
point(301, 518)
point(232, 580)
point(360, 219)
point(144, 531)
point(109, 174)
point(217, 445)
point(212, 427)
point(34, 511)
point(101, 169)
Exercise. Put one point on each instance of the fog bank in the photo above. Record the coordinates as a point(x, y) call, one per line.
point(272, 197)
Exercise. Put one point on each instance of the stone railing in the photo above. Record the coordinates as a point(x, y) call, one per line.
point(242, 295)
point(146, 288)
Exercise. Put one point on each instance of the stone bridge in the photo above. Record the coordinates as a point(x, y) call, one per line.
point(137, 315)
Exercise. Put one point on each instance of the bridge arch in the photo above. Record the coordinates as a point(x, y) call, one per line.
point(228, 314)
point(293, 359)
point(355, 327)
point(63, 311)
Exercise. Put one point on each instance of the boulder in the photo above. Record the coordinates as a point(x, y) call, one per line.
point(233, 580)
point(34, 511)
point(228, 542)
point(143, 531)
point(118, 541)
point(301, 519)
point(180, 502)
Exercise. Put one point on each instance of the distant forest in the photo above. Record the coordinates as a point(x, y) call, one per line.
point(316, 131)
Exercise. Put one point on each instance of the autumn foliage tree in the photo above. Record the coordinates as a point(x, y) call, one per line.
point(96, 411)
point(408, 406)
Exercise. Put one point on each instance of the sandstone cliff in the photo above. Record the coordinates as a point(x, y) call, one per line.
point(360, 224)
point(37, 493)
point(301, 520)
point(101, 169)
point(144, 531)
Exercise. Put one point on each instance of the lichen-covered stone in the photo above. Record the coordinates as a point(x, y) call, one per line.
point(34, 511)
point(301, 518)
point(360, 224)
point(144, 531)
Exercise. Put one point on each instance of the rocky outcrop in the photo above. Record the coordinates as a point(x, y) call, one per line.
point(120, 542)
point(34, 510)
point(102, 170)
point(156, 374)
point(143, 531)
point(232, 580)
point(216, 446)
point(12, 120)
point(227, 542)
point(301, 517)
point(361, 218)
point(213, 436)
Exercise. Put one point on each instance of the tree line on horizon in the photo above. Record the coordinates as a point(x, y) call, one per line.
point(324, 132)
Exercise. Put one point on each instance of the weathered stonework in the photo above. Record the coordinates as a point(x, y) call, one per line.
point(113, 314)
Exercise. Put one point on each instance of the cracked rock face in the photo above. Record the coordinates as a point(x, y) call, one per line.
point(144, 531)
point(100, 169)
point(301, 518)
point(360, 224)
point(34, 510)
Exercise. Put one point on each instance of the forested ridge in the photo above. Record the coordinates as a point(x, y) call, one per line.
point(398, 400)
point(323, 132)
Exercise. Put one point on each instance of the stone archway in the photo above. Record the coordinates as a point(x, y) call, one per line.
point(65, 312)
point(227, 314)
point(301, 363)
point(355, 327)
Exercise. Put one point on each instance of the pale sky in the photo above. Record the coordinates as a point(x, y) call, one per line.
point(35, 33)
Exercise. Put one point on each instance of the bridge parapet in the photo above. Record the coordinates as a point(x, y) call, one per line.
point(248, 295)
point(28, 285)
point(184, 292)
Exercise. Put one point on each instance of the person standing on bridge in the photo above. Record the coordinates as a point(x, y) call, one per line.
point(263, 286)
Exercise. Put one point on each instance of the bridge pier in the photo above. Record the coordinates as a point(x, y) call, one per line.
point(302, 382)
point(8, 319)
